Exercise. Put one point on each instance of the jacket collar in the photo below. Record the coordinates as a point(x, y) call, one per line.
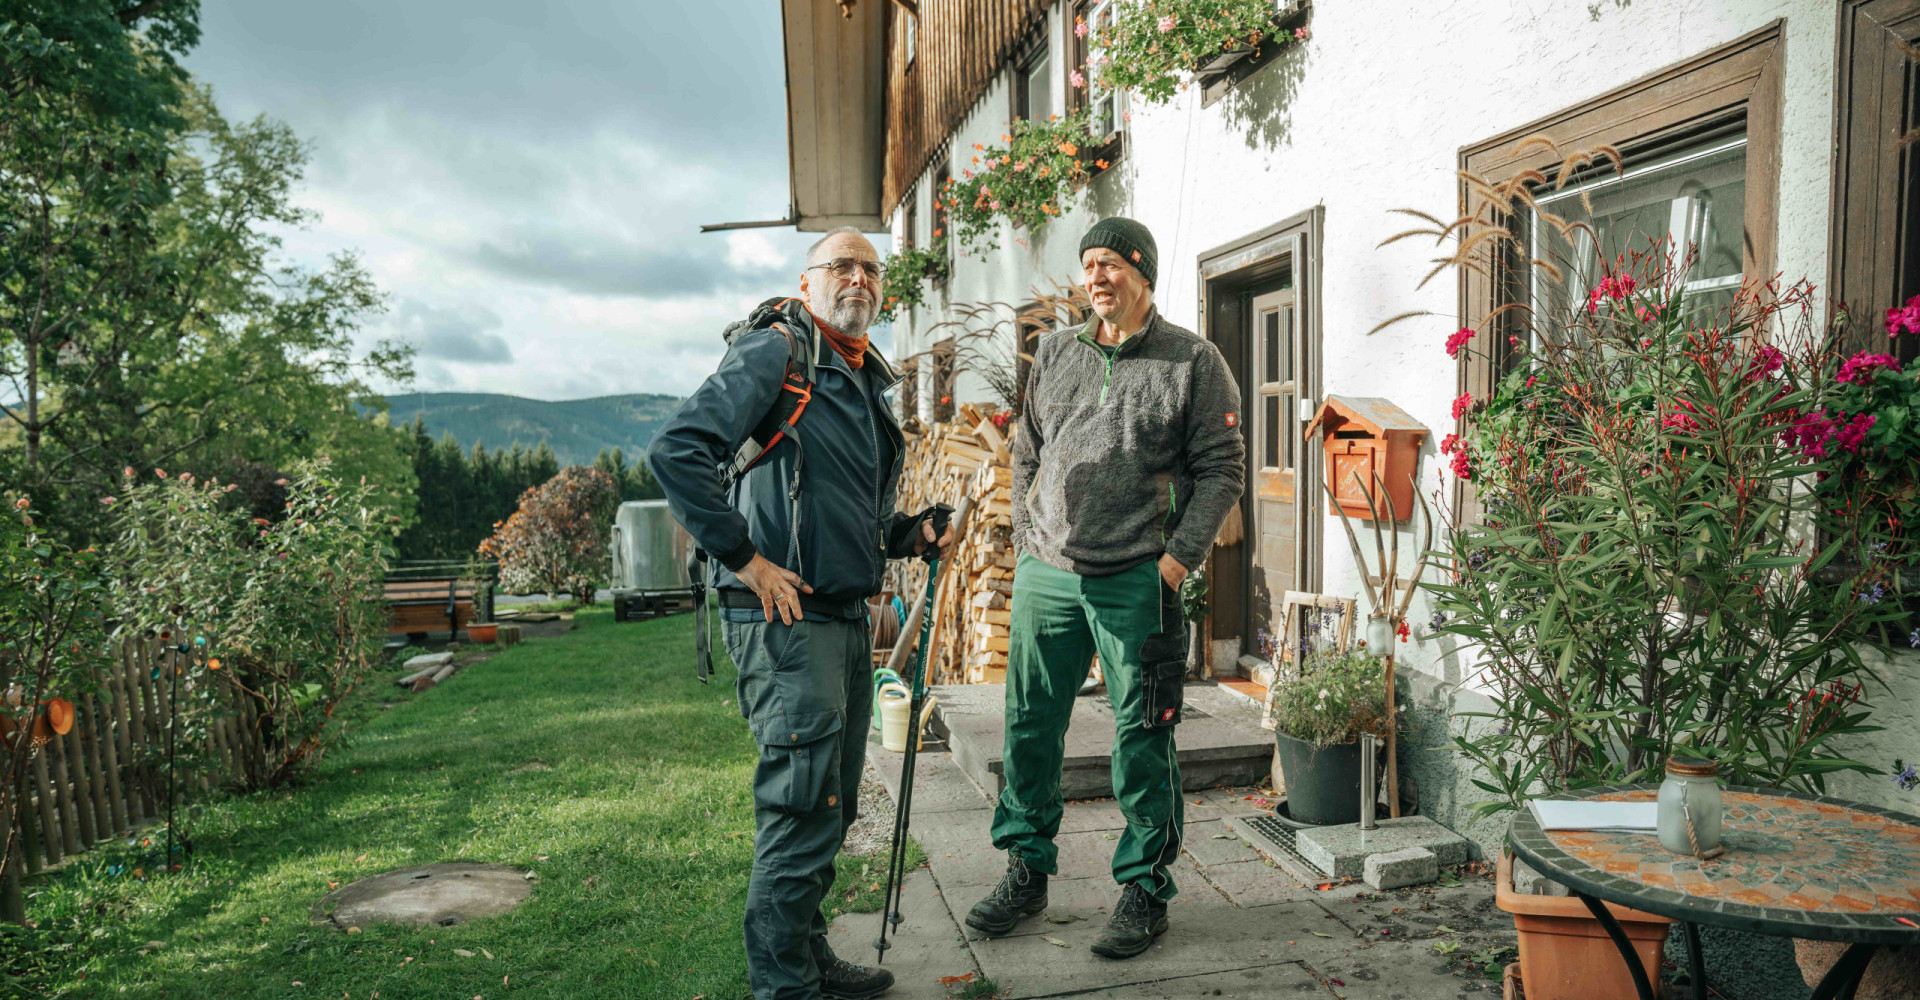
point(1090, 332)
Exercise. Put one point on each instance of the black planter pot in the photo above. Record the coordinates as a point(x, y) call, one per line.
point(1323, 783)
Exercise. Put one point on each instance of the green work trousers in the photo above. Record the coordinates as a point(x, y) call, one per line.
point(806, 690)
point(1060, 620)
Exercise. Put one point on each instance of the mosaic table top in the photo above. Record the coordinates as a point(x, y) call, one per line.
point(1801, 865)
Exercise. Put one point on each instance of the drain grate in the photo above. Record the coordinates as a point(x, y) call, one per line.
point(1281, 844)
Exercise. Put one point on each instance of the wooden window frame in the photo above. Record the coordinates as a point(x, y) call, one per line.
point(1872, 230)
point(1738, 81)
point(1036, 47)
point(942, 222)
point(1078, 98)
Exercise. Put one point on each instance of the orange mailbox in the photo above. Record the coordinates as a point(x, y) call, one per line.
point(1369, 437)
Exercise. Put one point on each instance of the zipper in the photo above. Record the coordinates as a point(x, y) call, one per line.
point(1112, 356)
point(879, 486)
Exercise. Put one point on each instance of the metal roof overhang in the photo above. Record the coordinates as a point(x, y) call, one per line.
point(836, 111)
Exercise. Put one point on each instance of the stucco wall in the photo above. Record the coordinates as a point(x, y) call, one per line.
point(1370, 116)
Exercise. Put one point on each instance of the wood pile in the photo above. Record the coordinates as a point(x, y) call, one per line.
point(968, 456)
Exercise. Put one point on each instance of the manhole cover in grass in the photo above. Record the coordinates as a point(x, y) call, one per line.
point(427, 896)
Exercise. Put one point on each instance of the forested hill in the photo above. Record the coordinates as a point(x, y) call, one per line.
point(576, 429)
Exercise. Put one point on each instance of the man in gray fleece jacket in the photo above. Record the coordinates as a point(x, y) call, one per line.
point(1128, 458)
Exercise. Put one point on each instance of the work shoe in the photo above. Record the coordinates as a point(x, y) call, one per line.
point(1136, 921)
point(843, 980)
point(1022, 892)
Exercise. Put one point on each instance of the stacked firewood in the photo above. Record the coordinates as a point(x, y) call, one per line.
point(969, 456)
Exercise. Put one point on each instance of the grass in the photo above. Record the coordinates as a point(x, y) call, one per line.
point(593, 759)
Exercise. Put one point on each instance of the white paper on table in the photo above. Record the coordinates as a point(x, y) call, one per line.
point(1626, 817)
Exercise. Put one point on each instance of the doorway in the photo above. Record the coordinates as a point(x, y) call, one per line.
point(1259, 296)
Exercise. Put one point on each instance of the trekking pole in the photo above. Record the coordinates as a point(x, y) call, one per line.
point(917, 689)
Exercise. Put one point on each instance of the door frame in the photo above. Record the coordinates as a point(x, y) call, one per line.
point(1293, 243)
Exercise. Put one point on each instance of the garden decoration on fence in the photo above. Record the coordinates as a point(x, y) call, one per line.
point(1389, 601)
point(1654, 568)
point(1150, 48)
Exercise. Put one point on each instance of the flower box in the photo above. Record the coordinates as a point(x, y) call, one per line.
point(1223, 60)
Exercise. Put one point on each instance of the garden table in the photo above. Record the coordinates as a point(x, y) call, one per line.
point(1796, 865)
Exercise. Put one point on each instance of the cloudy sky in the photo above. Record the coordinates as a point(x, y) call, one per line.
point(526, 180)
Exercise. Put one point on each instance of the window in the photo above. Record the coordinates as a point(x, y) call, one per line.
point(1701, 145)
point(1693, 198)
point(1874, 261)
point(942, 181)
point(913, 31)
point(1102, 104)
point(910, 219)
point(1033, 84)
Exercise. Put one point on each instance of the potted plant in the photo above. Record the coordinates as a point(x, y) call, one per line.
point(1653, 567)
point(1318, 713)
point(1149, 48)
point(908, 270)
point(1033, 177)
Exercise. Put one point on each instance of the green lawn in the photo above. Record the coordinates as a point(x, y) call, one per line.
point(594, 759)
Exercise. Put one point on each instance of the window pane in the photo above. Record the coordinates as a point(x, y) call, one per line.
point(1283, 429)
point(1039, 87)
point(1286, 346)
point(1271, 345)
point(1270, 426)
point(1695, 198)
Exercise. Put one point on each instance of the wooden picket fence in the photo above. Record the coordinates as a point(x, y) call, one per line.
point(107, 777)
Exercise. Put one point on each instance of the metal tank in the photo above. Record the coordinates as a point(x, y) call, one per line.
point(650, 552)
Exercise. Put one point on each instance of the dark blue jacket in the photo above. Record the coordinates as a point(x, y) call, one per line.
point(848, 525)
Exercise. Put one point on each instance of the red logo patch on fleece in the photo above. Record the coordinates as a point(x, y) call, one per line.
point(1233, 420)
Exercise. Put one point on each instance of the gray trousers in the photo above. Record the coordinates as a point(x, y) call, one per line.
point(806, 691)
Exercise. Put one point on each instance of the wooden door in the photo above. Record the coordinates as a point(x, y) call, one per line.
point(1274, 481)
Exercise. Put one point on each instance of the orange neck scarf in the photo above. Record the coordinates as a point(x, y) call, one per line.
point(853, 349)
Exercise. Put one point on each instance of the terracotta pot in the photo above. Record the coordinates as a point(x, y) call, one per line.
point(1564, 952)
point(479, 632)
point(1890, 976)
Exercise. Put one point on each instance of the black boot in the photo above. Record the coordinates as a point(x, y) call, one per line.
point(1136, 921)
point(843, 980)
point(1022, 892)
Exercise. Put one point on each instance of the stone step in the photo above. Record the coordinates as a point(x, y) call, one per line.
point(1220, 741)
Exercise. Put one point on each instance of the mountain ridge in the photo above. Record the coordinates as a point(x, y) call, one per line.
point(576, 429)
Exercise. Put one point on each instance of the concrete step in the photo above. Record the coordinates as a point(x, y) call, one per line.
point(1220, 741)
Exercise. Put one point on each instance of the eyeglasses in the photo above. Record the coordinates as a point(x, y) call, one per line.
point(843, 268)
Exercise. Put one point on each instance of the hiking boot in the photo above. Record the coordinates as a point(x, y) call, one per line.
point(843, 980)
point(1136, 921)
point(1022, 892)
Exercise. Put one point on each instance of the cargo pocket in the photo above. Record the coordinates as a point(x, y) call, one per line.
point(1163, 665)
point(799, 755)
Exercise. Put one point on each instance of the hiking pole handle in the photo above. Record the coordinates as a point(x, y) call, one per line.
point(939, 515)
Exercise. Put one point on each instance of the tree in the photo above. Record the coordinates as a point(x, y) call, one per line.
point(557, 541)
point(636, 481)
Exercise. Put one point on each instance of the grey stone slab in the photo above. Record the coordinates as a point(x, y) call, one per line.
point(925, 947)
point(1070, 902)
point(1257, 883)
point(437, 895)
point(1288, 981)
point(1401, 868)
point(426, 660)
point(959, 847)
point(939, 785)
point(1341, 850)
point(1212, 843)
point(1222, 744)
point(1398, 970)
point(1204, 937)
point(1092, 814)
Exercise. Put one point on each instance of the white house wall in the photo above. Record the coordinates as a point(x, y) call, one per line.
point(1369, 116)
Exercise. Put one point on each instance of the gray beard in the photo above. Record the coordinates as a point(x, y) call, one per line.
point(850, 317)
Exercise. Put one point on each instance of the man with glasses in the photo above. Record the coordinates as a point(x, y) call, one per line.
point(1127, 461)
point(802, 539)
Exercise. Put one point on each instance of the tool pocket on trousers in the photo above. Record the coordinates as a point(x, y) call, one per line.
point(799, 755)
point(1163, 678)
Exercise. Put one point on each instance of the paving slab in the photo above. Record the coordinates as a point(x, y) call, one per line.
point(1220, 743)
point(1399, 971)
point(1257, 883)
point(1341, 851)
point(1401, 868)
point(437, 895)
point(939, 785)
point(1092, 814)
point(1203, 938)
point(1288, 981)
point(927, 945)
point(1212, 843)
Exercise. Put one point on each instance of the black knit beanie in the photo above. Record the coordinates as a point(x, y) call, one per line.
point(1127, 238)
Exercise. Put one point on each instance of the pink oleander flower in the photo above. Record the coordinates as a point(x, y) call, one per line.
point(1853, 434)
point(1766, 361)
point(1859, 369)
point(1458, 339)
point(1450, 442)
point(1613, 287)
point(1679, 421)
point(1462, 465)
point(1462, 405)
point(1076, 79)
point(1166, 24)
point(1531, 379)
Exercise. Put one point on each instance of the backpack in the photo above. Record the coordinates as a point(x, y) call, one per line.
point(780, 423)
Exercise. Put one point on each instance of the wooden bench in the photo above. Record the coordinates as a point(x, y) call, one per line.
point(416, 607)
